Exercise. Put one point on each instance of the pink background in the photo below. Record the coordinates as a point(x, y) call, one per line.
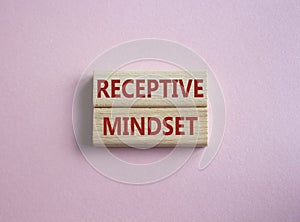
point(253, 48)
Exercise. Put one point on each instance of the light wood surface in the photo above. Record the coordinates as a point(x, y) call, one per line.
point(197, 135)
point(157, 96)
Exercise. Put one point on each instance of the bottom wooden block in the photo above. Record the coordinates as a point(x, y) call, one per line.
point(149, 127)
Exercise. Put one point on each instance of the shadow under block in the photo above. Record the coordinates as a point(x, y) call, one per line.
point(150, 89)
point(148, 127)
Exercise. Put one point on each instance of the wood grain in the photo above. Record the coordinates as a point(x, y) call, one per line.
point(156, 99)
point(197, 136)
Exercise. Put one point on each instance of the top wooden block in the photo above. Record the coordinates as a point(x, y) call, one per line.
point(150, 89)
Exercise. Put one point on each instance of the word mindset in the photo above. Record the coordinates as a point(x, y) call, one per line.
point(142, 126)
point(167, 126)
point(141, 88)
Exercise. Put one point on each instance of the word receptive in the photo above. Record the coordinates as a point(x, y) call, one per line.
point(150, 108)
point(150, 89)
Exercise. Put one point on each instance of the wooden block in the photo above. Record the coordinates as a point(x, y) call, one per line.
point(150, 89)
point(148, 127)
